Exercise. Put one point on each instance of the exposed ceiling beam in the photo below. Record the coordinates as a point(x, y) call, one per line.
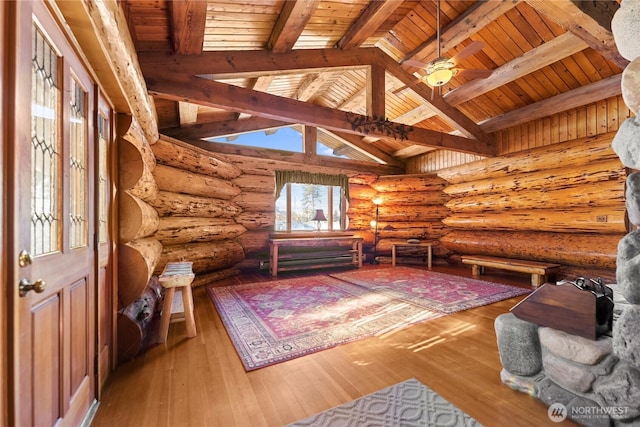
point(220, 95)
point(255, 63)
point(293, 17)
point(585, 19)
point(187, 20)
point(219, 64)
point(188, 113)
point(546, 54)
point(462, 28)
point(448, 113)
point(370, 150)
point(584, 95)
point(375, 14)
point(223, 128)
point(292, 20)
point(299, 158)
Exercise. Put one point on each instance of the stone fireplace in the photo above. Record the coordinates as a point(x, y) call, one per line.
point(593, 382)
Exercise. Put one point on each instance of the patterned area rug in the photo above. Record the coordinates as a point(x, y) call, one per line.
point(270, 322)
point(437, 291)
point(406, 404)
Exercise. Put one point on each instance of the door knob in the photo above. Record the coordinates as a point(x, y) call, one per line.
point(26, 286)
point(24, 258)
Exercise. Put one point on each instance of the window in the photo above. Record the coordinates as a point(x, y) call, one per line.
point(299, 195)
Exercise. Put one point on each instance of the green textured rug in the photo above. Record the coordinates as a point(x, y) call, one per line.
point(407, 404)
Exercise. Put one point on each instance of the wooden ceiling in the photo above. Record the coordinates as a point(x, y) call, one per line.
point(223, 67)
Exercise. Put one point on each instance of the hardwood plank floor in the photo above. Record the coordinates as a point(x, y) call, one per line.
point(202, 382)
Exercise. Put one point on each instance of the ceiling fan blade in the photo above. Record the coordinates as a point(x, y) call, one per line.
point(469, 50)
point(474, 74)
point(415, 63)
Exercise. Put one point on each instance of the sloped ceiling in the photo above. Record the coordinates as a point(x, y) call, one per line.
point(222, 67)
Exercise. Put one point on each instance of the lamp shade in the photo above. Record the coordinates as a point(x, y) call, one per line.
point(319, 216)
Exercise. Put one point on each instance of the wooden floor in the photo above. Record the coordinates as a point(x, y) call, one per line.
point(202, 382)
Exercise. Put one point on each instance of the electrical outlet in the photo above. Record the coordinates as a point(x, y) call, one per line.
point(601, 218)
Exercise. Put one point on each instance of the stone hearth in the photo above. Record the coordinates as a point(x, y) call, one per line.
point(595, 383)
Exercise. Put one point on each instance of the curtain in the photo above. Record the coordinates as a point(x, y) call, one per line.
point(300, 177)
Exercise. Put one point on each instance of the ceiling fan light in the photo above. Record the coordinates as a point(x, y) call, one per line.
point(440, 77)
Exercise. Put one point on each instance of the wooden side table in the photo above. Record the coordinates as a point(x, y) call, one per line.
point(412, 245)
point(177, 275)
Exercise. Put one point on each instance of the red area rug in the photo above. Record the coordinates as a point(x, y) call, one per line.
point(437, 291)
point(270, 322)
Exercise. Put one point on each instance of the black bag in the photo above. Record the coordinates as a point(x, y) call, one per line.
point(604, 302)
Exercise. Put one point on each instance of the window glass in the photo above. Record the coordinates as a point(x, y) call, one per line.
point(304, 200)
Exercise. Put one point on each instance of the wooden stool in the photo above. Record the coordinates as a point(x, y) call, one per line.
point(177, 275)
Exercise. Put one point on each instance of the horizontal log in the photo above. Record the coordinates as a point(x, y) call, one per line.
point(255, 241)
point(181, 181)
point(429, 182)
point(169, 203)
point(361, 192)
point(257, 220)
point(421, 226)
point(129, 129)
point(251, 201)
point(574, 153)
point(550, 179)
point(134, 173)
point(137, 219)
point(178, 154)
point(388, 213)
point(256, 183)
point(577, 249)
point(137, 260)
point(602, 220)
point(210, 279)
point(413, 198)
point(608, 193)
point(173, 230)
point(431, 230)
point(206, 256)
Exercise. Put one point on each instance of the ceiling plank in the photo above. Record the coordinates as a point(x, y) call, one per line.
point(584, 95)
point(576, 19)
point(187, 21)
point(219, 95)
point(547, 53)
point(463, 27)
point(375, 14)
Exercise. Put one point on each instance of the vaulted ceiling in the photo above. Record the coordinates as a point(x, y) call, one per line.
point(223, 67)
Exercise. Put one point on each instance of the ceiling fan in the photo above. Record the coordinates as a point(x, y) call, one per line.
point(441, 70)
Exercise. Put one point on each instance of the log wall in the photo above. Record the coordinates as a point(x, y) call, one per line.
point(413, 207)
point(561, 203)
point(590, 120)
point(138, 252)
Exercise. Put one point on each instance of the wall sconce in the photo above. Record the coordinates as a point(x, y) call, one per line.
point(376, 201)
point(319, 216)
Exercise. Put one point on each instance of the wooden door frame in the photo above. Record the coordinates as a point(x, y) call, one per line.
point(4, 277)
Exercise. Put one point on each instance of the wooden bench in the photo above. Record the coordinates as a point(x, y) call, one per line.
point(317, 250)
point(538, 270)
